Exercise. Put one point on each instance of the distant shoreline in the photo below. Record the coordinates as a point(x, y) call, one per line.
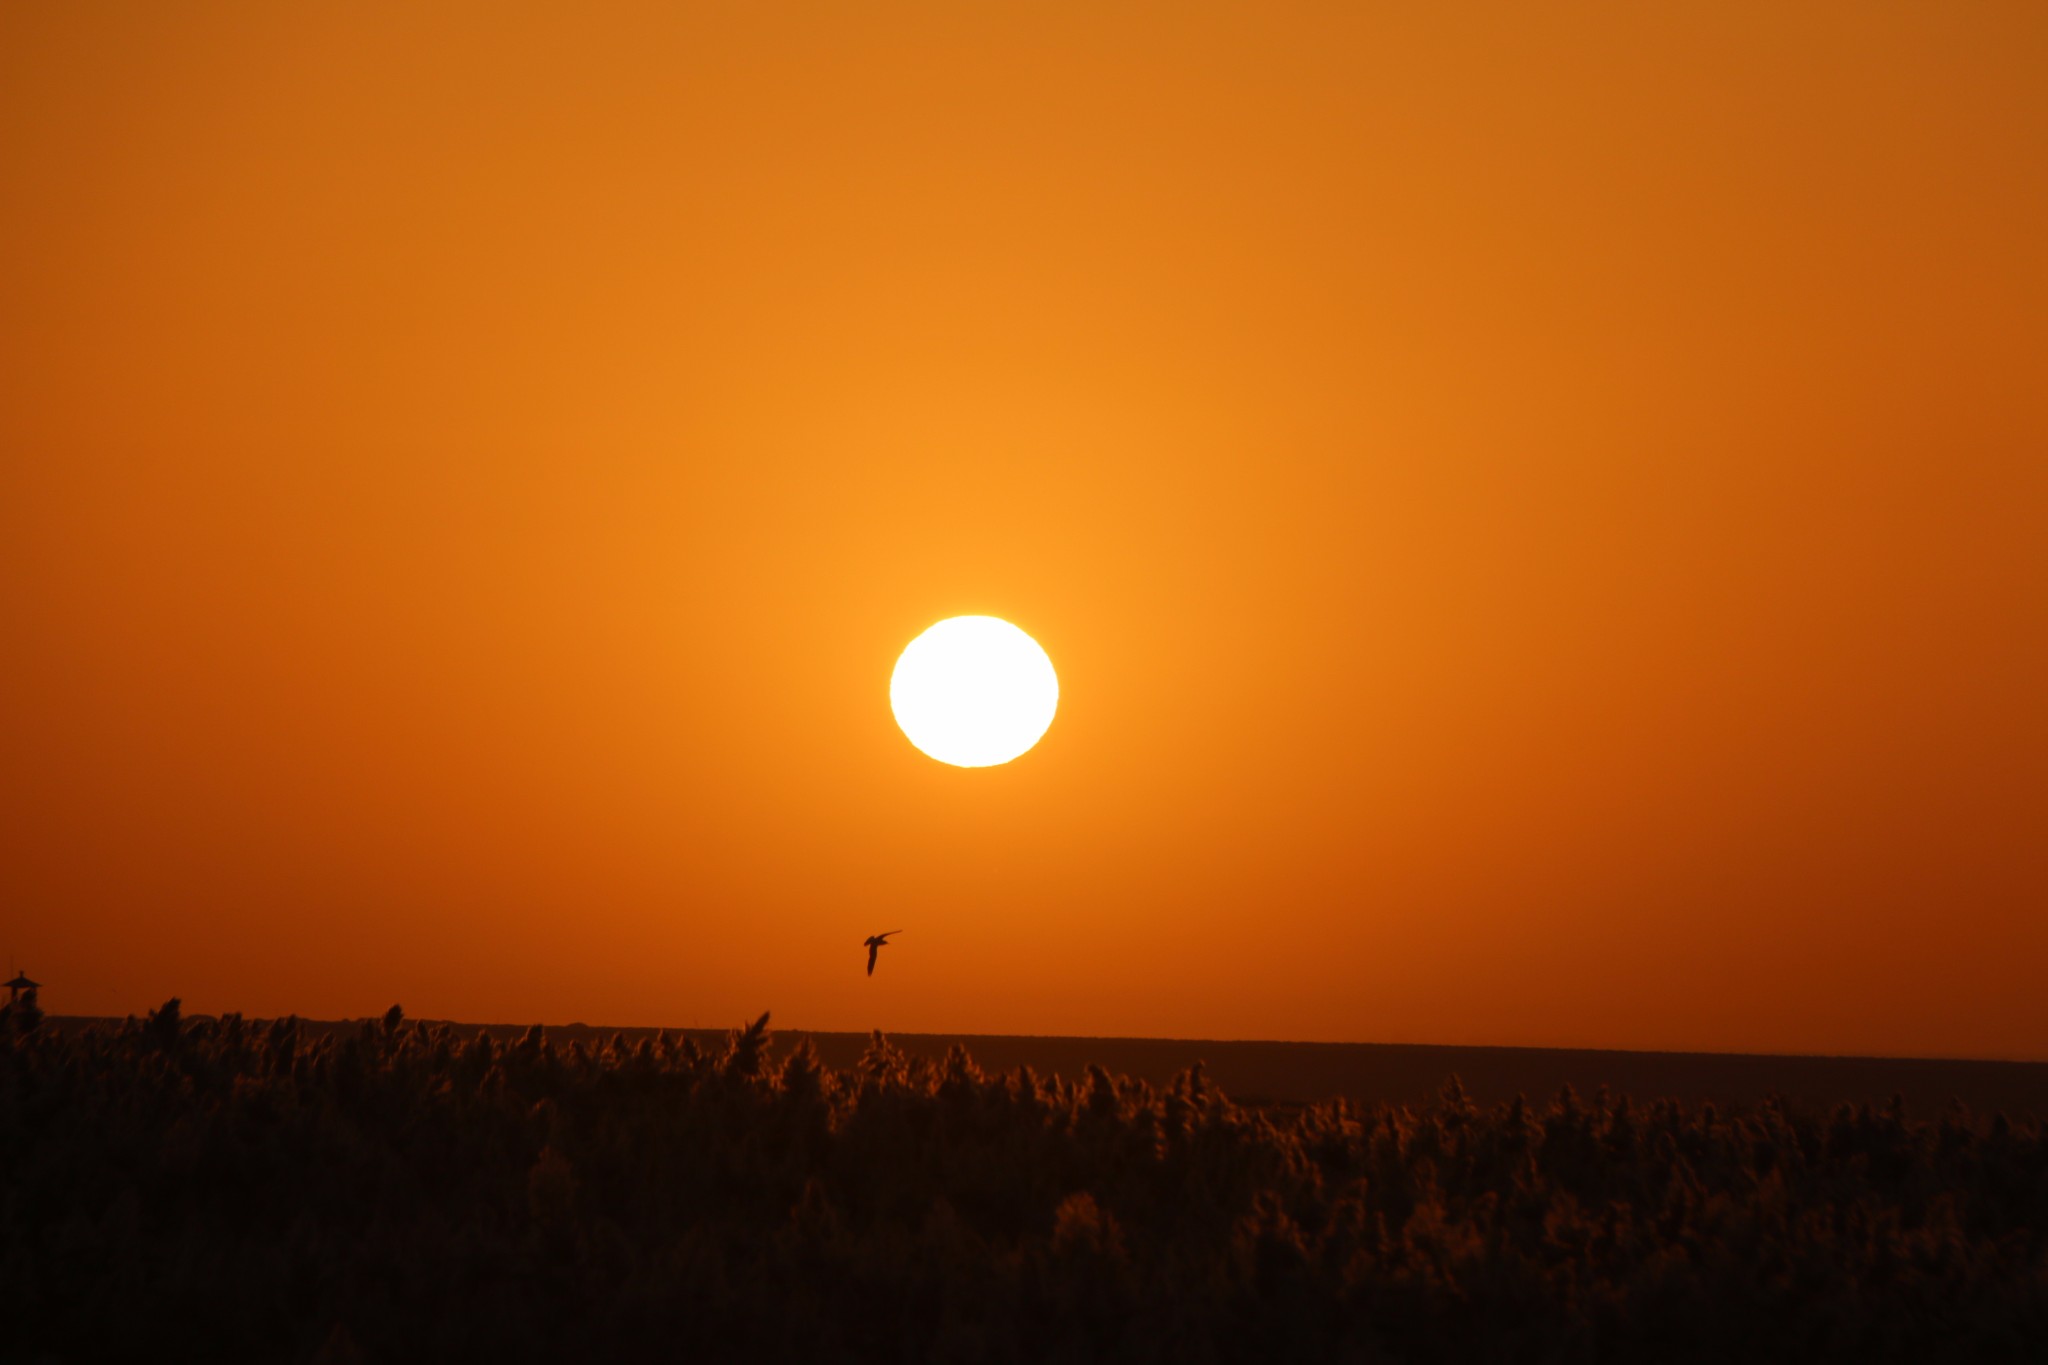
point(1401, 1073)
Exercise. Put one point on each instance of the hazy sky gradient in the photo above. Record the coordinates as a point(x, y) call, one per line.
point(1541, 514)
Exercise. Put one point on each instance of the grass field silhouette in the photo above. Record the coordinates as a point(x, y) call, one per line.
point(399, 1191)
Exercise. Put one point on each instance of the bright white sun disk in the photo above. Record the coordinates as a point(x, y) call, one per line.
point(974, 691)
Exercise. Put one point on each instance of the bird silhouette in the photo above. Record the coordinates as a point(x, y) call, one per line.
point(874, 947)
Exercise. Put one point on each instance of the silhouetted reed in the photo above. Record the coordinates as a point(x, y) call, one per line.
point(399, 1192)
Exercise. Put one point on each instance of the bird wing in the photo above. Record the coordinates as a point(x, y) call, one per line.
point(891, 934)
point(874, 951)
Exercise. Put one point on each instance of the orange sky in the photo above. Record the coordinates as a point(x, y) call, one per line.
point(1542, 518)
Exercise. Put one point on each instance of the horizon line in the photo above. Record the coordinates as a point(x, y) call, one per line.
point(1105, 1038)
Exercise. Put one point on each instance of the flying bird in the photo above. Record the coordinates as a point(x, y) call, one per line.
point(874, 947)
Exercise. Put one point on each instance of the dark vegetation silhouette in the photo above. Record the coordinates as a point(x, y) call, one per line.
point(397, 1192)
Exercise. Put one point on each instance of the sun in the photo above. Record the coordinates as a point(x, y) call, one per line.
point(974, 691)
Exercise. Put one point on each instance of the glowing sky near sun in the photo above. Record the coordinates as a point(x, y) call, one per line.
point(1537, 513)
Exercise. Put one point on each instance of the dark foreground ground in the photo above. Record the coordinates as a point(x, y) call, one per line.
point(243, 1190)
